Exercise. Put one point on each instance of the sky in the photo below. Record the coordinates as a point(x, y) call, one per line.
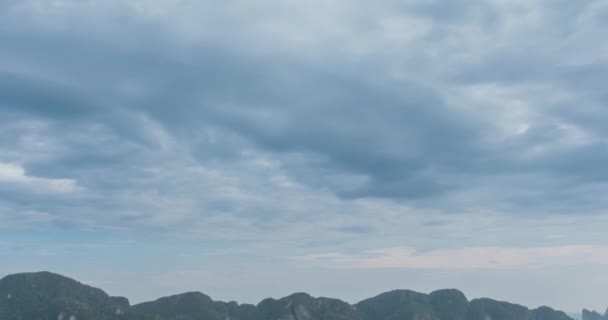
point(248, 149)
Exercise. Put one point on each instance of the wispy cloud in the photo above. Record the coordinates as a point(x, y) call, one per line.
point(465, 258)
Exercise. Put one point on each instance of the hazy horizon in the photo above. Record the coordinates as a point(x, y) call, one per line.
point(344, 148)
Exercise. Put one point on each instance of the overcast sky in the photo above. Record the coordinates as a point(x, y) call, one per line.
point(249, 149)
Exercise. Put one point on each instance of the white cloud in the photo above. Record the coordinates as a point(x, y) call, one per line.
point(465, 258)
point(14, 174)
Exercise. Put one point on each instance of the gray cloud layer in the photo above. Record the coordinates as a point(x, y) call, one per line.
point(414, 102)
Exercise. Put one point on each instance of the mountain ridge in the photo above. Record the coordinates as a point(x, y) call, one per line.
point(594, 315)
point(49, 296)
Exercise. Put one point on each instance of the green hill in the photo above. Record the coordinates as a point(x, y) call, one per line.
point(45, 296)
point(48, 296)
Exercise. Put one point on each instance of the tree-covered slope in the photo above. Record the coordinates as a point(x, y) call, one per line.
point(398, 305)
point(47, 296)
point(302, 306)
point(191, 306)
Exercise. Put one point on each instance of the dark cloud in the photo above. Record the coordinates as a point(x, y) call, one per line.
point(119, 101)
point(355, 229)
point(41, 97)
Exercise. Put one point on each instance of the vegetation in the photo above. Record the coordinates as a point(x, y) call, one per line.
point(47, 296)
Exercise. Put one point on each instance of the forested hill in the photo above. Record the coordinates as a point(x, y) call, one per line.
point(48, 296)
